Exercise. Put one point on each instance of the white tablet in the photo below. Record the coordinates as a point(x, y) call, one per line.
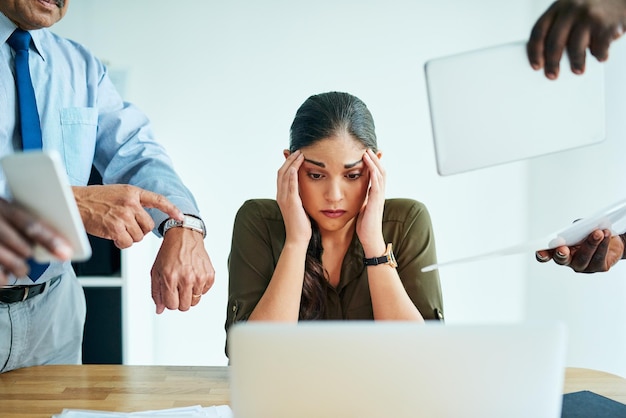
point(38, 182)
point(490, 107)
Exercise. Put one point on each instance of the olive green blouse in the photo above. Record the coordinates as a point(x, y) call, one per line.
point(259, 237)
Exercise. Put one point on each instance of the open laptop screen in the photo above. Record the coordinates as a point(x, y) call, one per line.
point(396, 369)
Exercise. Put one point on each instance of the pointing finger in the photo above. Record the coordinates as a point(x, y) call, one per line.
point(149, 199)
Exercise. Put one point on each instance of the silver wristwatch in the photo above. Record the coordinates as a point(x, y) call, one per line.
point(188, 221)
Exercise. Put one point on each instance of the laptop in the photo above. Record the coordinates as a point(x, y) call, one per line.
point(396, 369)
point(489, 107)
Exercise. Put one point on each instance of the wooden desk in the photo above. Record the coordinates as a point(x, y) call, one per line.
point(40, 392)
point(605, 384)
point(45, 390)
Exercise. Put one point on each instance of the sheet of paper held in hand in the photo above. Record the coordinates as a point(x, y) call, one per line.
point(612, 218)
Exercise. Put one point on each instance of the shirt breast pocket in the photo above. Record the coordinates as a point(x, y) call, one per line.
point(79, 126)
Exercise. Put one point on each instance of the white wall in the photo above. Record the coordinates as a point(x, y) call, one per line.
point(222, 81)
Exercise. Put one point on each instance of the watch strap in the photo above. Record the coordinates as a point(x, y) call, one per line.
point(374, 261)
point(387, 258)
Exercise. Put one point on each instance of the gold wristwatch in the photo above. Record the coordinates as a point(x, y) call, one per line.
point(387, 258)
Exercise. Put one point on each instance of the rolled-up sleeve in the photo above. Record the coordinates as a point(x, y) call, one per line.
point(128, 153)
point(408, 223)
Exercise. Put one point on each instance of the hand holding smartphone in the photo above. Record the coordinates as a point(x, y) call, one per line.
point(37, 181)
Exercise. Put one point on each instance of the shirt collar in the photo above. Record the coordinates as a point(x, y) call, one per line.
point(37, 36)
point(7, 27)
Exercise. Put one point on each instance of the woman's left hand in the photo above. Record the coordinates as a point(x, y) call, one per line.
point(370, 220)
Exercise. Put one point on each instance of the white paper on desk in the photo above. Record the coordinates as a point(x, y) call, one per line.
point(220, 411)
point(612, 218)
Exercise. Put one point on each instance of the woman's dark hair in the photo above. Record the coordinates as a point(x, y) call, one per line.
point(322, 116)
point(326, 114)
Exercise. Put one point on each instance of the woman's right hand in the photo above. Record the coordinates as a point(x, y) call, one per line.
point(297, 223)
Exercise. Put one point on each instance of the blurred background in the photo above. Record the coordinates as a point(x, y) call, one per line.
point(221, 82)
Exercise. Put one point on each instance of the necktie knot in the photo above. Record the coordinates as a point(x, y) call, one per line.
point(19, 40)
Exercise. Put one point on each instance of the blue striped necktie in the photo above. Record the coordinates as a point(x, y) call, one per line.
point(30, 127)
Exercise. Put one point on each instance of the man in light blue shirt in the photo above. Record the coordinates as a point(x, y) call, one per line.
point(86, 121)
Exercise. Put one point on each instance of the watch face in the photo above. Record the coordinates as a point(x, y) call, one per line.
point(193, 222)
point(392, 260)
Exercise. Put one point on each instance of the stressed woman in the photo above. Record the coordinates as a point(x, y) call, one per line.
point(324, 249)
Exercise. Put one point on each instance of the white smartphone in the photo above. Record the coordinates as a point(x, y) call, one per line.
point(612, 218)
point(38, 182)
